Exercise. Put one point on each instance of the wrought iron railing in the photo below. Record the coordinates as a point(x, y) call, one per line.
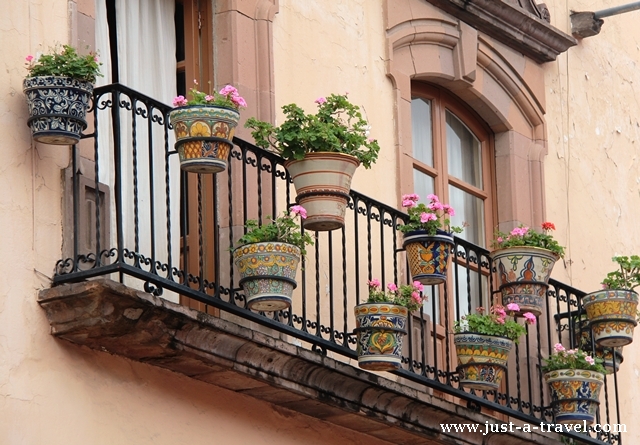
point(167, 231)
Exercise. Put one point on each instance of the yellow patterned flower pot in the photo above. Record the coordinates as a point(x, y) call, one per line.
point(323, 182)
point(380, 328)
point(612, 314)
point(575, 394)
point(267, 274)
point(428, 255)
point(203, 136)
point(482, 359)
point(523, 276)
point(611, 357)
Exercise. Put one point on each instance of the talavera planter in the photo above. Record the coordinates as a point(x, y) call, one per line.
point(57, 108)
point(523, 276)
point(612, 315)
point(575, 394)
point(323, 182)
point(428, 255)
point(203, 136)
point(482, 359)
point(611, 357)
point(267, 274)
point(380, 328)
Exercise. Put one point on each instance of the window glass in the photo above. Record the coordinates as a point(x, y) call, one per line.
point(421, 130)
point(423, 184)
point(469, 211)
point(463, 152)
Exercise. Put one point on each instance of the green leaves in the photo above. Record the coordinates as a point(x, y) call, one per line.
point(337, 127)
point(285, 229)
point(628, 277)
point(66, 62)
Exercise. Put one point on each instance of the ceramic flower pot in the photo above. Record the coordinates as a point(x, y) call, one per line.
point(323, 182)
point(482, 359)
point(523, 276)
point(611, 357)
point(428, 255)
point(57, 108)
point(267, 274)
point(575, 394)
point(203, 136)
point(380, 328)
point(612, 315)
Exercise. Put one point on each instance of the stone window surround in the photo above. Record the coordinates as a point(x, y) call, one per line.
point(502, 85)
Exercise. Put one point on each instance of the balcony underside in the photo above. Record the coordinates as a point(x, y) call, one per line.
point(111, 317)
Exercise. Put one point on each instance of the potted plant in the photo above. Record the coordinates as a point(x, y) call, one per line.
point(204, 126)
point(575, 379)
point(483, 342)
point(583, 339)
point(322, 152)
point(267, 258)
point(381, 324)
point(612, 310)
point(523, 261)
point(58, 88)
point(428, 238)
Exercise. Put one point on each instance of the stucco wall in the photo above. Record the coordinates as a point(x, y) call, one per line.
point(593, 168)
point(56, 393)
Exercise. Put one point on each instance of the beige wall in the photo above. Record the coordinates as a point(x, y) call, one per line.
point(593, 168)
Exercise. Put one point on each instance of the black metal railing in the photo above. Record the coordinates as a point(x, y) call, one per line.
point(170, 232)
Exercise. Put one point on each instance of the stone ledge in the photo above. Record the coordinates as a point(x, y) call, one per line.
point(110, 317)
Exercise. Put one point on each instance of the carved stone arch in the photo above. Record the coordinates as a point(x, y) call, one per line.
point(504, 87)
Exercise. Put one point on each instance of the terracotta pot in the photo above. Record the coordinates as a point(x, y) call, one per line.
point(380, 328)
point(57, 108)
point(612, 315)
point(482, 359)
point(523, 276)
point(203, 136)
point(575, 394)
point(267, 274)
point(428, 255)
point(323, 182)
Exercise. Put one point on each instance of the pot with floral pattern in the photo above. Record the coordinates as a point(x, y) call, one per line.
point(428, 255)
point(482, 359)
point(57, 108)
point(380, 329)
point(575, 394)
point(267, 274)
point(523, 276)
point(611, 357)
point(204, 136)
point(612, 315)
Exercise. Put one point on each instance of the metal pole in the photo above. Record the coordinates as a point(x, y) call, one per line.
point(616, 10)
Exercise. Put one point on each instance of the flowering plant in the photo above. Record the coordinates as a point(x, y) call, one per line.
point(524, 236)
point(563, 358)
point(227, 97)
point(429, 217)
point(284, 229)
point(628, 277)
point(64, 61)
point(495, 322)
point(337, 127)
point(407, 295)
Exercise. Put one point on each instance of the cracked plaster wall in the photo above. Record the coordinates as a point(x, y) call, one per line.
point(593, 167)
point(56, 393)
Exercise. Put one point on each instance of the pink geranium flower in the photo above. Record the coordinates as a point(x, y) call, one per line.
point(558, 347)
point(529, 318)
point(321, 100)
point(426, 217)
point(228, 90)
point(513, 307)
point(208, 98)
point(299, 210)
point(29, 58)
point(374, 283)
point(418, 285)
point(392, 287)
point(408, 203)
point(179, 101)
point(590, 360)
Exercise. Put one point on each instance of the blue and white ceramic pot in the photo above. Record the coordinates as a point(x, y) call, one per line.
point(482, 359)
point(575, 394)
point(428, 255)
point(523, 276)
point(57, 108)
point(204, 136)
point(380, 328)
point(267, 274)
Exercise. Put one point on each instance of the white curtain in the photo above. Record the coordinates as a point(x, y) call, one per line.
point(147, 64)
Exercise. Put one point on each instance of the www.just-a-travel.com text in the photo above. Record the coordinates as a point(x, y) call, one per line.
point(543, 427)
